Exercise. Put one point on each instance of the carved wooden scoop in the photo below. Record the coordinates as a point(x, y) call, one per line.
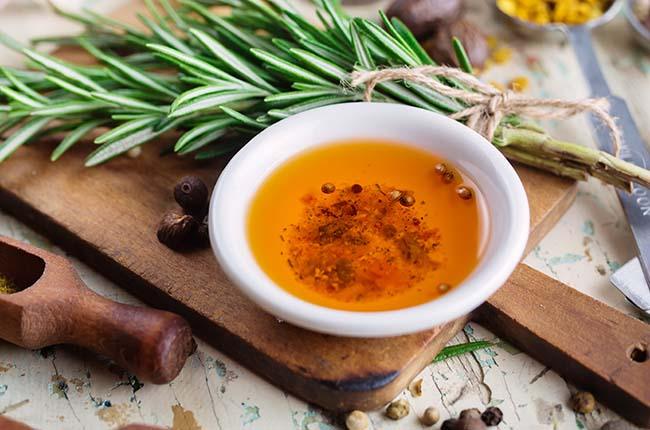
point(54, 306)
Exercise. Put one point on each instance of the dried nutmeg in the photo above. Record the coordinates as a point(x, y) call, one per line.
point(492, 416)
point(583, 402)
point(357, 420)
point(423, 16)
point(177, 230)
point(398, 409)
point(430, 416)
point(192, 195)
point(440, 48)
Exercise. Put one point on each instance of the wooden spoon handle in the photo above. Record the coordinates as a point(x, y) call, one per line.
point(150, 343)
point(593, 345)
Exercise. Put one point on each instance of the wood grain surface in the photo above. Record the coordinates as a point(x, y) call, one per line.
point(593, 345)
point(107, 216)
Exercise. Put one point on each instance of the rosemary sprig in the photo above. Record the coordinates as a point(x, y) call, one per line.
point(211, 77)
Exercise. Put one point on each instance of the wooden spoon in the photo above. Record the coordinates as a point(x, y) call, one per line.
point(54, 306)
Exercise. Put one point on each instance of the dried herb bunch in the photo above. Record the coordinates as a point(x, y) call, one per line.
point(203, 75)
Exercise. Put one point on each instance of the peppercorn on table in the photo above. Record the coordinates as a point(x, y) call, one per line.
point(64, 388)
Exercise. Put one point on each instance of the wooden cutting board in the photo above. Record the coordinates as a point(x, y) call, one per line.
point(107, 217)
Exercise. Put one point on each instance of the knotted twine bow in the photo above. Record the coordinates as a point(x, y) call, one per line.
point(487, 105)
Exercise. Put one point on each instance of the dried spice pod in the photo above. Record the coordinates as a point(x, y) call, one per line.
point(439, 46)
point(492, 416)
point(470, 423)
point(357, 420)
point(430, 416)
point(177, 231)
point(449, 424)
point(583, 402)
point(464, 192)
point(203, 235)
point(422, 17)
point(398, 409)
point(469, 413)
point(441, 168)
point(415, 388)
point(191, 194)
point(328, 188)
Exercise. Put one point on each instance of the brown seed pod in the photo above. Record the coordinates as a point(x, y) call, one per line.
point(357, 420)
point(398, 409)
point(469, 413)
point(328, 188)
point(423, 16)
point(439, 45)
point(407, 200)
point(492, 416)
point(441, 168)
point(448, 177)
point(203, 235)
point(583, 402)
point(430, 416)
point(464, 192)
point(415, 388)
point(449, 424)
point(176, 230)
point(192, 195)
point(395, 195)
point(356, 188)
point(443, 288)
point(470, 423)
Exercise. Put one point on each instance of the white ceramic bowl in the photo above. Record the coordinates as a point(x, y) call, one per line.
point(507, 212)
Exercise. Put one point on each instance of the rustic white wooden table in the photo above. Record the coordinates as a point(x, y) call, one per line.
point(61, 388)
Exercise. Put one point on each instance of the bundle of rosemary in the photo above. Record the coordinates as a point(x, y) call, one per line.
point(212, 77)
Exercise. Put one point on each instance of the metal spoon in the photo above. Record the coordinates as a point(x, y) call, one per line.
point(636, 205)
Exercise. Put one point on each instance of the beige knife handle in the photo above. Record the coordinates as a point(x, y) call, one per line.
point(591, 344)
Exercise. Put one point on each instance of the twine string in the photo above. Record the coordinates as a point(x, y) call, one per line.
point(487, 105)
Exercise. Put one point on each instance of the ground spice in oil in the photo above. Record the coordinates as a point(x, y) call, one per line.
point(359, 242)
point(366, 225)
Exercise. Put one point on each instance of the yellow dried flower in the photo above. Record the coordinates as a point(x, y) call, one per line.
point(561, 11)
point(501, 55)
point(519, 84)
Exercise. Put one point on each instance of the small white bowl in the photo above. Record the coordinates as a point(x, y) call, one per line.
point(507, 212)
